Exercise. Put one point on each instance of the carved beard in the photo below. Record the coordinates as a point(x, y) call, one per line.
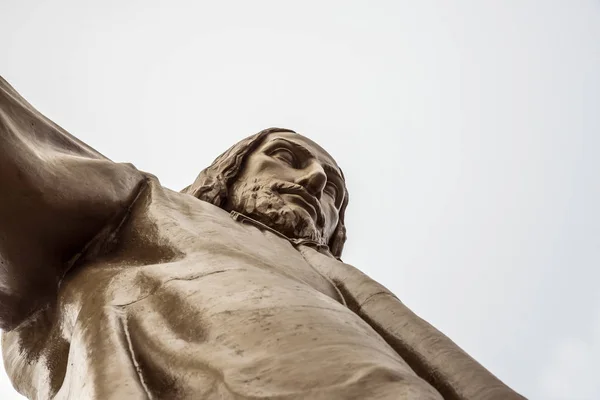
point(261, 200)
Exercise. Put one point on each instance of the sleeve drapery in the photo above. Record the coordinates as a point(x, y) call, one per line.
point(430, 353)
point(56, 194)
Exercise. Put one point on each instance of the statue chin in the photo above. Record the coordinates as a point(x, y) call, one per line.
point(260, 200)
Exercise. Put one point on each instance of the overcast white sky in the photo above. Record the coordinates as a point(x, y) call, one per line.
point(469, 133)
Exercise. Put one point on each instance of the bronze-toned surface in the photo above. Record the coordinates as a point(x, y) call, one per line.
point(114, 287)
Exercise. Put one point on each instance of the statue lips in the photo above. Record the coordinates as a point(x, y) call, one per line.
point(306, 201)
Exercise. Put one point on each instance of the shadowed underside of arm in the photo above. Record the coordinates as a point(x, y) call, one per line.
point(56, 194)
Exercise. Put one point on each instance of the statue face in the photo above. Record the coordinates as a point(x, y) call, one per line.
point(292, 185)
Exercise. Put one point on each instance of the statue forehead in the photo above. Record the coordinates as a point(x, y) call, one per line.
point(317, 151)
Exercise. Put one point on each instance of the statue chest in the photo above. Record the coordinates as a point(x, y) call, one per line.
point(222, 308)
point(175, 244)
point(185, 302)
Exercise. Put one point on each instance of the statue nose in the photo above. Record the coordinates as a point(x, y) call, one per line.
point(314, 180)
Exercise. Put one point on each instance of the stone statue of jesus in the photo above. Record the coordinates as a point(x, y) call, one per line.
point(115, 287)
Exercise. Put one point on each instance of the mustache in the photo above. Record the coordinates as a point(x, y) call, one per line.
point(281, 187)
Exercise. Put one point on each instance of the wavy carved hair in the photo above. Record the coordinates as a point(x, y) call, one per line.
point(213, 183)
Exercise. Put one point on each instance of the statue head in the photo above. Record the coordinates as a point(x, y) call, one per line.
point(284, 180)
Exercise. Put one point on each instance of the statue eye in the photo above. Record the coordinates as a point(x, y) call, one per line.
point(284, 155)
point(332, 190)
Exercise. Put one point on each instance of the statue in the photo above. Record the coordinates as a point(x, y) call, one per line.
point(114, 287)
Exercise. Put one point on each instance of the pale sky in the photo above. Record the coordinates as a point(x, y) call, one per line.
point(468, 131)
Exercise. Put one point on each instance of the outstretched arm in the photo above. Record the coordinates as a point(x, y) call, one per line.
point(432, 355)
point(56, 194)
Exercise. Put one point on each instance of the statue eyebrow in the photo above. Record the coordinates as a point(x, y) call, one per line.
point(298, 147)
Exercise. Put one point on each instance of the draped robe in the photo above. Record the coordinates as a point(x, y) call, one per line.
point(115, 287)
